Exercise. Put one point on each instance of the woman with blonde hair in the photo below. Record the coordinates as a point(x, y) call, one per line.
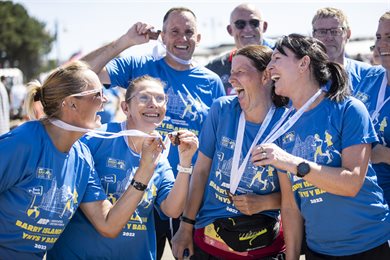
point(116, 161)
point(45, 171)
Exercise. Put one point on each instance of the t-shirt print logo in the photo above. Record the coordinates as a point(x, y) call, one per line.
point(44, 173)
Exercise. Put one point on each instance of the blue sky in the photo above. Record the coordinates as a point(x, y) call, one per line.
point(88, 24)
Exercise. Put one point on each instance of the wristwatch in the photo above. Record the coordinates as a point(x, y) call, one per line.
point(303, 169)
point(138, 185)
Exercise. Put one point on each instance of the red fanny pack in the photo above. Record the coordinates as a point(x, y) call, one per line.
point(210, 242)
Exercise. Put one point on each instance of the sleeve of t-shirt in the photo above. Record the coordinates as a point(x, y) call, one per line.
point(94, 190)
point(122, 70)
point(357, 126)
point(119, 71)
point(219, 88)
point(164, 170)
point(207, 136)
point(14, 159)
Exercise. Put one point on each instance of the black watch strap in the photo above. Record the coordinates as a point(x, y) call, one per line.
point(138, 185)
point(187, 220)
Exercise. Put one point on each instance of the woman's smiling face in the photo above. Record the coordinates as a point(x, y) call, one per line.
point(146, 107)
point(247, 81)
point(87, 103)
point(284, 70)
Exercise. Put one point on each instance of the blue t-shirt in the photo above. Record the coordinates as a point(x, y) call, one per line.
point(368, 94)
point(40, 188)
point(217, 142)
point(356, 71)
point(190, 93)
point(269, 43)
point(337, 225)
point(116, 165)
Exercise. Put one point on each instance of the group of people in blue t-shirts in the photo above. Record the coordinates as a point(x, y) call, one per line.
point(301, 149)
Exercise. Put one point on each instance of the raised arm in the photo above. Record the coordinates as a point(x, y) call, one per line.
point(97, 59)
point(174, 204)
point(183, 237)
point(109, 219)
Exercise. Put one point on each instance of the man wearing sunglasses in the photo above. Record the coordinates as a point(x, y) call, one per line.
point(330, 25)
point(246, 27)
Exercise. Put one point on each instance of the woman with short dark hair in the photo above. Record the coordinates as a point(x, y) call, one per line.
point(327, 182)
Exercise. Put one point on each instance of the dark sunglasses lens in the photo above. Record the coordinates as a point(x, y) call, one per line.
point(240, 24)
point(254, 23)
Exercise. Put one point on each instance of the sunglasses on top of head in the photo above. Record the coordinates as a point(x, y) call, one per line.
point(240, 24)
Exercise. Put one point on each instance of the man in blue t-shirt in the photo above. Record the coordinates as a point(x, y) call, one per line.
point(330, 25)
point(191, 89)
point(246, 27)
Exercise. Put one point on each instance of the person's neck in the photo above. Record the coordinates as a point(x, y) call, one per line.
point(258, 113)
point(339, 60)
point(136, 142)
point(388, 76)
point(62, 139)
point(301, 97)
point(176, 65)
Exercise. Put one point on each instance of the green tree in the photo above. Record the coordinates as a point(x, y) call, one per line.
point(23, 39)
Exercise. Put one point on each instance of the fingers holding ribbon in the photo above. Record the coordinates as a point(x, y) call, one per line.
point(152, 147)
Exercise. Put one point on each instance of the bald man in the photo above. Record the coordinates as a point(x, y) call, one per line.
point(246, 27)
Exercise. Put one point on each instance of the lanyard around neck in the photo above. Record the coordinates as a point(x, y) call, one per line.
point(237, 171)
point(278, 131)
point(97, 133)
point(380, 102)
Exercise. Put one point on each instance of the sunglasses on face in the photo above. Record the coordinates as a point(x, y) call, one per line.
point(93, 95)
point(324, 32)
point(240, 24)
point(144, 98)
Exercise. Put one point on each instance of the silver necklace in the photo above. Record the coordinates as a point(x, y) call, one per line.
point(132, 142)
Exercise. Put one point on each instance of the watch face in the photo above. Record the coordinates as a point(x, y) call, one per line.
point(303, 169)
